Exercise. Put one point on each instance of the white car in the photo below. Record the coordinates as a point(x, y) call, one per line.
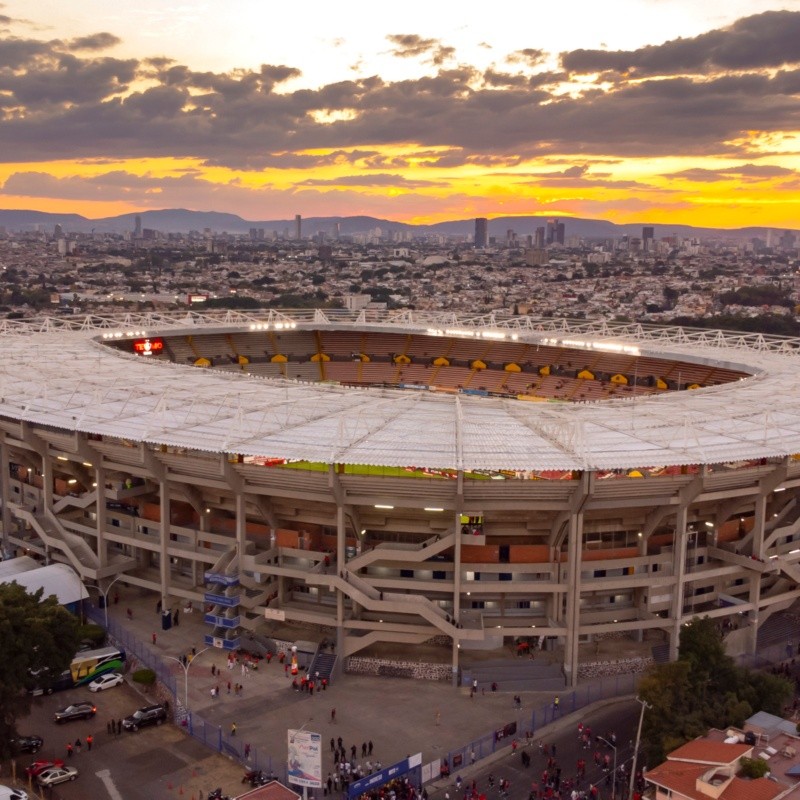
point(50, 777)
point(105, 681)
point(7, 793)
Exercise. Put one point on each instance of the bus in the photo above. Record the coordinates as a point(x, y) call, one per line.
point(90, 664)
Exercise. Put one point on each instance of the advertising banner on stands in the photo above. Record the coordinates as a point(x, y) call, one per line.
point(304, 762)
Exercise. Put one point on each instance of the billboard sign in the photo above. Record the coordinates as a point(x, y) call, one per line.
point(304, 762)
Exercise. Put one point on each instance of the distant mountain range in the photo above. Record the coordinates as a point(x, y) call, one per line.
point(181, 220)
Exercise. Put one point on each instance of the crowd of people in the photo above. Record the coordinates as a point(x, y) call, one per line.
point(593, 778)
point(347, 768)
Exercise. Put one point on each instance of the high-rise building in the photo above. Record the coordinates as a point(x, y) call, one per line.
point(481, 232)
point(538, 238)
point(137, 227)
point(647, 238)
point(298, 227)
point(561, 229)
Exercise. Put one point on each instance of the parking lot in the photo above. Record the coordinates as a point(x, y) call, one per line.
point(152, 763)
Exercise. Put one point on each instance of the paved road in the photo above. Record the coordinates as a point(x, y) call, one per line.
point(620, 718)
point(155, 762)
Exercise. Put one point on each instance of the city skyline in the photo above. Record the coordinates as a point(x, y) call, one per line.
point(660, 112)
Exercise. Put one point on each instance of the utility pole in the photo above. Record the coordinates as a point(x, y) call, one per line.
point(645, 705)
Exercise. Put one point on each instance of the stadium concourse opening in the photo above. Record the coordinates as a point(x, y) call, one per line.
point(431, 484)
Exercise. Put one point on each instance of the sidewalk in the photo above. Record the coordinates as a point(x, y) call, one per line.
point(399, 716)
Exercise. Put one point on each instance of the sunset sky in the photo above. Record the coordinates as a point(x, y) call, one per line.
point(659, 111)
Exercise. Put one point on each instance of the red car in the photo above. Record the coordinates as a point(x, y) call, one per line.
point(40, 766)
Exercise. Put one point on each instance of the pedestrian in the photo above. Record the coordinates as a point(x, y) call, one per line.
point(212, 693)
point(158, 607)
point(229, 687)
point(78, 746)
point(438, 717)
point(233, 729)
point(176, 619)
point(110, 727)
point(119, 726)
point(333, 745)
point(369, 747)
point(333, 719)
point(154, 638)
point(363, 750)
point(130, 613)
point(286, 670)
point(247, 750)
point(213, 670)
point(69, 749)
point(89, 742)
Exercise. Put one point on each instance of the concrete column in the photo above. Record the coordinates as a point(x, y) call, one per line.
point(759, 523)
point(754, 594)
point(456, 589)
point(163, 552)
point(341, 532)
point(47, 482)
point(5, 492)
point(102, 545)
point(241, 526)
point(572, 620)
point(679, 575)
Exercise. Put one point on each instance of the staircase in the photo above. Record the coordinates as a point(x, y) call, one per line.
point(52, 533)
point(323, 664)
point(223, 593)
point(661, 653)
point(779, 628)
point(520, 675)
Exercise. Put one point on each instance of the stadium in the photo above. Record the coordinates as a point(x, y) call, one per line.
point(411, 477)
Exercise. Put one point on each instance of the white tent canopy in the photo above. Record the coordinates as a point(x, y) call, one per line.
point(58, 579)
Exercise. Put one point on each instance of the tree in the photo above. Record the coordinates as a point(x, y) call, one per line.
point(39, 636)
point(703, 689)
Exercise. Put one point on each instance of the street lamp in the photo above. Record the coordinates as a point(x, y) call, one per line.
point(614, 778)
point(105, 592)
point(185, 668)
point(645, 705)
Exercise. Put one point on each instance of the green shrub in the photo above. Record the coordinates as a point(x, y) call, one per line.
point(92, 633)
point(753, 767)
point(146, 677)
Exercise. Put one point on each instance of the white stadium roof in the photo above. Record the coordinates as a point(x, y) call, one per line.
point(58, 372)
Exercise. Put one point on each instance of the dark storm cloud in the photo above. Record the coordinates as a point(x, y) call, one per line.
point(410, 45)
point(749, 173)
point(767, 40)
point(375, 179)
point(56, 103)
point(530, 56)
point(95, 41)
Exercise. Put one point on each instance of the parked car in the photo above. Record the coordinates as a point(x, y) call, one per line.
point(106, 681)
point(32, 770)
point(27, 744)
point(54, 775)
point(75, 711)
point(7, 793)
point(149, 715)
